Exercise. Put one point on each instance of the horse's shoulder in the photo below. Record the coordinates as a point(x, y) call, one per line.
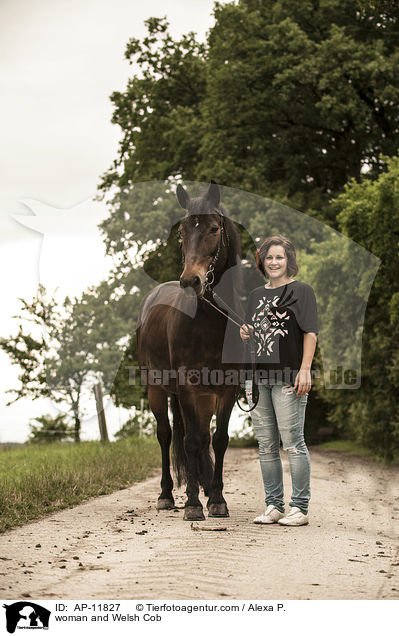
point(169, 294)
point(164, 290)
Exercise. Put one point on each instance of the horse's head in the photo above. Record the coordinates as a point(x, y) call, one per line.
point(207, 239)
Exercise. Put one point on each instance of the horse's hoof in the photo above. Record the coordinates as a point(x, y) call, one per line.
point(165, 504)
point(193, 513)
point(218, 510)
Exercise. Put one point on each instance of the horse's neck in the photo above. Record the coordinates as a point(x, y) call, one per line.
point(229, 289)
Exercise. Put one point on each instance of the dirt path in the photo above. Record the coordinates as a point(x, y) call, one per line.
point(119, 547)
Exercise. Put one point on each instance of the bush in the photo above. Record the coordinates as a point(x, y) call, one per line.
point(139, 425)
point(51, 429)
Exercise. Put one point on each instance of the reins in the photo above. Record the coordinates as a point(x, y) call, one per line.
point(251, 345)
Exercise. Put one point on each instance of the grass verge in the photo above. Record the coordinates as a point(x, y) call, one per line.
point(345, 446)
point(37, 480)
point(243, 442)
point(353, 448)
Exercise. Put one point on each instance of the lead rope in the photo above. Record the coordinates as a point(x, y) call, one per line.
point(251, 345)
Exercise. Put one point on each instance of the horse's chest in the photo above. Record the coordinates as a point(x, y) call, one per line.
point(197, 344)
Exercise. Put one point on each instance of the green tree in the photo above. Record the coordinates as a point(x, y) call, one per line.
point(63, 350)
point(300, 96)
point(288, 99)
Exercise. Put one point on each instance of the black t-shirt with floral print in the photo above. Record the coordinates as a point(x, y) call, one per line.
point(280, 317)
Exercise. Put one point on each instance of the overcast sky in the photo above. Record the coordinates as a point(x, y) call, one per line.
point(59, 62)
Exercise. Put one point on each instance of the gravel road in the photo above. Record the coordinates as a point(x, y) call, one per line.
point(119, 547)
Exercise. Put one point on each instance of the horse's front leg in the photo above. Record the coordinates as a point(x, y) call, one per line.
point(158, 402)
point(217, 506)
point(192, 445)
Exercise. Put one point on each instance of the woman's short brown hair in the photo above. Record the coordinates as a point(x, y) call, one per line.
point(292, 265)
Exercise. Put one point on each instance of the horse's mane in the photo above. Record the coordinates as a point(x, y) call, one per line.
point(234, 245)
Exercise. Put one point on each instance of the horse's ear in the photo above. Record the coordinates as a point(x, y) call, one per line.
point(182, 197)
point(213, 194)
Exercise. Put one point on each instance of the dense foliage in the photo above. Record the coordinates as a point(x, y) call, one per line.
point(369, 214)
point(287, 99)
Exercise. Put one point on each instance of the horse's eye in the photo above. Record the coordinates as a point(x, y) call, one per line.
point(214, 229)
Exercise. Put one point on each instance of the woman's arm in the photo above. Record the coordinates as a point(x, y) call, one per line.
point(303, 380)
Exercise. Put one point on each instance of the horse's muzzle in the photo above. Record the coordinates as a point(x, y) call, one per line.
point(194, 282)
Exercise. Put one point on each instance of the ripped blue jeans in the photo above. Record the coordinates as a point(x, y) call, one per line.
point(281, 412)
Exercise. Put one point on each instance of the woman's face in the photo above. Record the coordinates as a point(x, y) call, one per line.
point(276, 262)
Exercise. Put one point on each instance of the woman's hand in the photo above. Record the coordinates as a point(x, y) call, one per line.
point(244, 332)
point(303, 381)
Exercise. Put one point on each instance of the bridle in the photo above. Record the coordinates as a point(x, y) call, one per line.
point(210, 274)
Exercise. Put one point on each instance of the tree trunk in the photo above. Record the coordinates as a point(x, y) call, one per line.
point(77, 426)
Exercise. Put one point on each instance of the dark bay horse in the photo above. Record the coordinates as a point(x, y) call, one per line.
point(180, 339)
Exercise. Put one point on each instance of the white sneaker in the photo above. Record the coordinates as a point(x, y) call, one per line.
point(272, 515)
point(294, 518)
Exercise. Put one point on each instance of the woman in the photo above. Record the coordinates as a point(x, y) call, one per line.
point(282, 317)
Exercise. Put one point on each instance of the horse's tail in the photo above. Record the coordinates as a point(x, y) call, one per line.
point(180, 464)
